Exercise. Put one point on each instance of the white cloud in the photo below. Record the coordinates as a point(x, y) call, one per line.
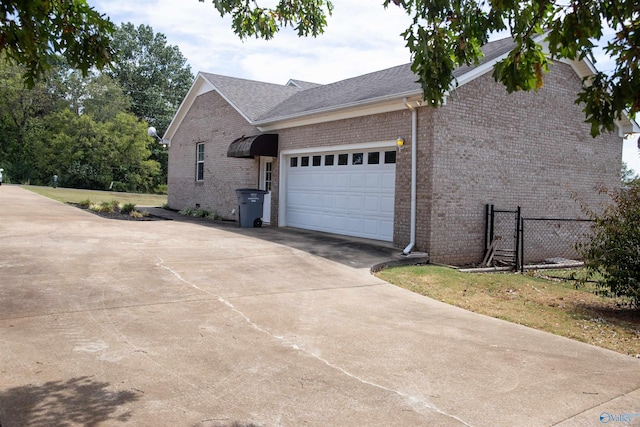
point(361, 37)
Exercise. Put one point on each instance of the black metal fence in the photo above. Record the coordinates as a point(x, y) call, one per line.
point(513, 239)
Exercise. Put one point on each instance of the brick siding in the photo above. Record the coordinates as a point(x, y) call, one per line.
point(212, 121)
point(484, 146)
point(523, 149)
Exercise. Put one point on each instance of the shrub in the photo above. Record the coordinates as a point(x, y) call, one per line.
point(612, 256)
point(214, 215)
point(200, 213)
point(137, 214)
point(104, 207)
point(84, 204)
point(128, 208)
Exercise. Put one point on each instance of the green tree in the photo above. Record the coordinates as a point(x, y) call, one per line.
point(612, 256)
point(85, 153)
point(95, 94)
point(447, 34)
point(152, 73)
point(629, 177)
point(155, 76)
point(33, 32)
point(20, 110)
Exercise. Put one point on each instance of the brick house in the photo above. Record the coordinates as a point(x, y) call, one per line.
point(330, 158)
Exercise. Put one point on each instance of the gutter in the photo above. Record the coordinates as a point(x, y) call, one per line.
point(414, 161)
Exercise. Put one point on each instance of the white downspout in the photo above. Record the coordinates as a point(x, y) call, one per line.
point(414, 162)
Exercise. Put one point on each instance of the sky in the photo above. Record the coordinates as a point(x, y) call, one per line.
point(361, 37)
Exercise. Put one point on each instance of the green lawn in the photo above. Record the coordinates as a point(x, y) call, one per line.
point(73, 195)
point(540, 300)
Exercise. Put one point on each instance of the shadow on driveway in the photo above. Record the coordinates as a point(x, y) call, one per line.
point(77, 401)
point(351, 251)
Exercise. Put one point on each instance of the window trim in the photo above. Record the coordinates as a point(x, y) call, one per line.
point(199, 162)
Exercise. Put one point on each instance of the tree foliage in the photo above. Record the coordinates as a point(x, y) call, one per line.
point(307, 17)
point(85, 153)
point(155, 76)
point(152, 73)
point(447, 34)
point(628, 176)
point(34, 32)
point(75, 127)
point(612, 256)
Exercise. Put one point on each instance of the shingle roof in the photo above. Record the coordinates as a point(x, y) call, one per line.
point(265, 102)
point(254, 99)
point(302, 84)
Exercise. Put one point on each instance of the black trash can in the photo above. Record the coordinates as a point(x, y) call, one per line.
point(250, 205)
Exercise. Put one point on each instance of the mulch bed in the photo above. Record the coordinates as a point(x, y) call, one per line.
point(120, 215)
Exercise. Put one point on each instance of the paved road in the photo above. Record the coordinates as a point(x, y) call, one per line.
point(108, 322)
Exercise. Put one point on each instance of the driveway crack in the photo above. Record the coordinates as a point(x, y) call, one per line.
point(413, 400)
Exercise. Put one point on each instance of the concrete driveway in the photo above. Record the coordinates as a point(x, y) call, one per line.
point(170, 323)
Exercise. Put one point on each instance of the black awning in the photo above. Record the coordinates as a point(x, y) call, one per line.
point(247, 147)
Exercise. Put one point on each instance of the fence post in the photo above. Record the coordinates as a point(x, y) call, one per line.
point(491, 223)
point(486, 228)
point(521, 245)
point(517, 248)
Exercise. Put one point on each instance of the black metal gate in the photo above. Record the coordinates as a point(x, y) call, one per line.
point(503, 245)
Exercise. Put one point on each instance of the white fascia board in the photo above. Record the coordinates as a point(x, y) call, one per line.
point(626, 126)
point(347, 111)
point(582, 67)
point(199, 86)
point(477, 72)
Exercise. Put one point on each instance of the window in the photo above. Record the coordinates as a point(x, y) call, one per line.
point(342, 159)
point(294, 162)
point(358, 159)
point(200, 162)
point(328, 160)
point(373, 158)
point(268, 174)
point(304, 161)
point(389, 156)
point(317, 160)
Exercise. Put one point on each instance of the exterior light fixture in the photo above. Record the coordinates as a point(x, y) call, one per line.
point(400, 143)
point(154, 134)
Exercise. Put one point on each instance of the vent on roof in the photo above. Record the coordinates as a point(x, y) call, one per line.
point(246, 147)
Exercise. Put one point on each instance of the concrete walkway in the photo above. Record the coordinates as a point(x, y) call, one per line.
point(169, 323)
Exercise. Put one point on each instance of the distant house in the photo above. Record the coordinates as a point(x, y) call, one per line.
point(329, 154)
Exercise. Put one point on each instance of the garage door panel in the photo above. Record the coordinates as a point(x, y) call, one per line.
point(329, 200)
point(372, 204)
point(355, 200)
point(388, 181)
point(372, 181)
point(328, 180)
point(341, 180)
point(386, 204)
point(355, 225)
point(355, 180)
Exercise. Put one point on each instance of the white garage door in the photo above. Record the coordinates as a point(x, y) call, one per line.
point(350, 193)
